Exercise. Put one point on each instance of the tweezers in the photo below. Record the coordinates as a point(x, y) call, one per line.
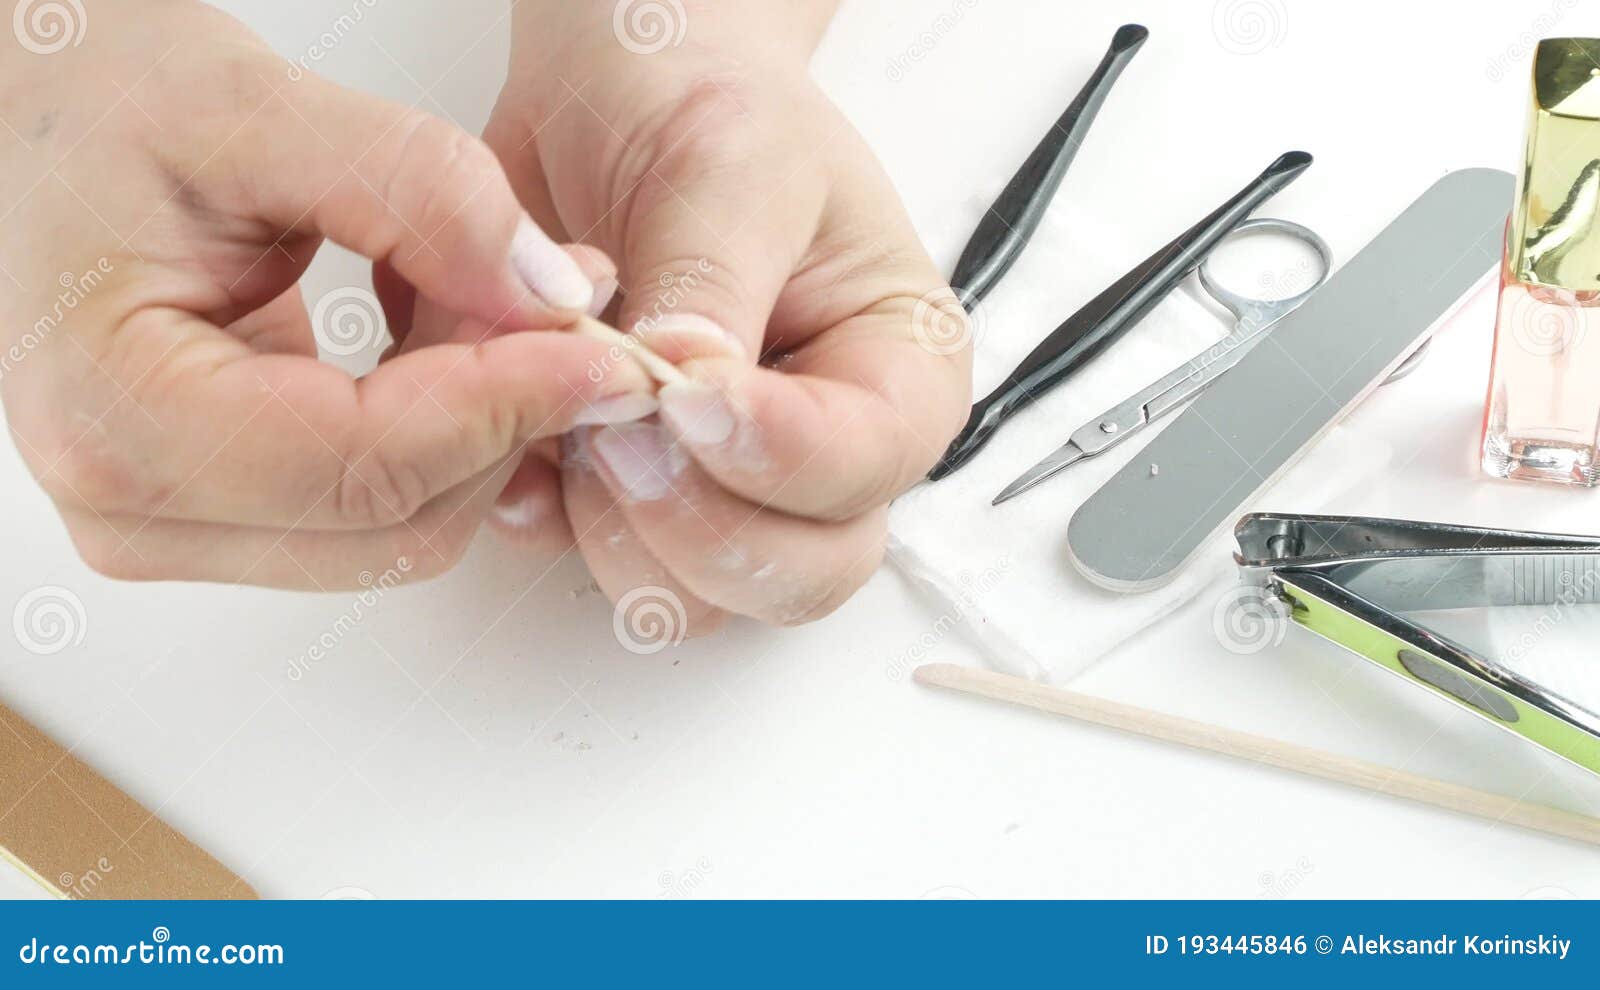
point(1010, 222)
point(1348, 578)
point(1109, 315)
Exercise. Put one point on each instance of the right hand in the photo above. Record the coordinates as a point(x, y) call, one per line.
point(168, 182)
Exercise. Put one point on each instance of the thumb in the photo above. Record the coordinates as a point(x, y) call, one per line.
point(710, 246)
point(412, 191)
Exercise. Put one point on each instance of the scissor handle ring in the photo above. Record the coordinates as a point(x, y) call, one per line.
point(1240, 305)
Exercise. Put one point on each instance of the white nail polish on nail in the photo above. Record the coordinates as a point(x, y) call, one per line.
point(640, 457)
point(549, 271)
point(519, 515)
point(690, 325)
point(698, 414)
point(616, 409)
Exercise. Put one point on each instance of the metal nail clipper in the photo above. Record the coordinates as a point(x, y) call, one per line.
point(1349, 578)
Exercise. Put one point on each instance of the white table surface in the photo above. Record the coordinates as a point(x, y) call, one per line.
point(483, 736)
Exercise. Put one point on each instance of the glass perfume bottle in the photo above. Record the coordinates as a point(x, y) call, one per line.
point(1542, 417)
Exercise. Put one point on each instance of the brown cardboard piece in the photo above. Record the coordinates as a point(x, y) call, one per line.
point(81, 837)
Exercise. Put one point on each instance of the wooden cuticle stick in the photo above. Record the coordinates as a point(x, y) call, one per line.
point(1361, 774)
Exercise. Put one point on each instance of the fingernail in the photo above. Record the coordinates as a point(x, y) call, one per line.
point(604, 291)
point(641, 459)
point(549, 271)
point(521, 514)
point(698, 414)
point(692, 326)
point(623, 408)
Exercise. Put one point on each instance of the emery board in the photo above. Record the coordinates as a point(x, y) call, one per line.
point(79, 836)
point(1315, 365)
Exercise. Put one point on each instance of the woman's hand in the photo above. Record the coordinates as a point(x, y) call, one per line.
point(762, 248)
point(167, 183)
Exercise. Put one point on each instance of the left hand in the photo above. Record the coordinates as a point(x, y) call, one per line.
point(762, 249)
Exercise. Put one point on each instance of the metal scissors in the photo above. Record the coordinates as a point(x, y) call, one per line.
point(1253, 319)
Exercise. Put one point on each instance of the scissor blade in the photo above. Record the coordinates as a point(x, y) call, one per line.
point(1064, 457)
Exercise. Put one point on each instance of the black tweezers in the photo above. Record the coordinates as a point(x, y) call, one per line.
point(1011, 222)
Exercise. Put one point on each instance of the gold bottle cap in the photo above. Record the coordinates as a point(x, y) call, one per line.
point(1555, 229)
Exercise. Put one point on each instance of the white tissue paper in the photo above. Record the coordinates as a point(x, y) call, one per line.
point(1004, 569)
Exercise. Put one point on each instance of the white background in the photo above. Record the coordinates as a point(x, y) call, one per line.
point(484, 736)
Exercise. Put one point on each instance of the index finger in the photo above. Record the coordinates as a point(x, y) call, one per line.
point(215, 432)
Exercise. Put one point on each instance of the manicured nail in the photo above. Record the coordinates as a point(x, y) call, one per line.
point(641, 458)
point(549, 271)
point(698, 414)
point(623, 408)
point(604, 291)
point(692, 326)
point(521, 514)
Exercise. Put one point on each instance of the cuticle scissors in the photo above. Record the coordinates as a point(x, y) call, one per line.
point(1253, 320)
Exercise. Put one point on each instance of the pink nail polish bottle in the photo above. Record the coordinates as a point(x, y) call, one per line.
point(1542, 417)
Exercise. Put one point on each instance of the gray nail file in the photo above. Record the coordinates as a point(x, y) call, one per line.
point(1141, 527)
